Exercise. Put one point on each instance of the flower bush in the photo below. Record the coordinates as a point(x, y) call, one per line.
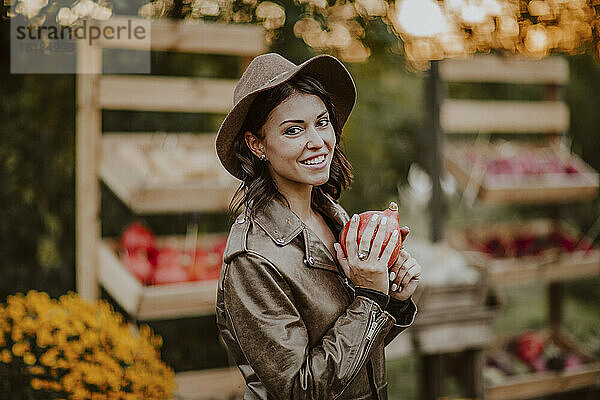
point(73, 349)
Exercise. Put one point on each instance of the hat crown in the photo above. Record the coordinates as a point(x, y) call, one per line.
point(261, 70)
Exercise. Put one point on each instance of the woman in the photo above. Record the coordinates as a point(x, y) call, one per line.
point(300, 318)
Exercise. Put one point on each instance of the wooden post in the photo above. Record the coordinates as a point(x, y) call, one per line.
point(88, 131)
point(433, 92)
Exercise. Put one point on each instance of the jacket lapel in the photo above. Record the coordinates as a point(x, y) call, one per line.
point(282, 225)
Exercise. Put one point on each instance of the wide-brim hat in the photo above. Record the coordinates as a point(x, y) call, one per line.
point(269, 70)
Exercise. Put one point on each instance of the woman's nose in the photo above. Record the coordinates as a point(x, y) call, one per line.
point(314, 138)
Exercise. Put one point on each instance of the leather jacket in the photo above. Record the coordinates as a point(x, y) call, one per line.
point(291, 319)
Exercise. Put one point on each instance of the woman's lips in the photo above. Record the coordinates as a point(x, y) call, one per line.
point(320, 165)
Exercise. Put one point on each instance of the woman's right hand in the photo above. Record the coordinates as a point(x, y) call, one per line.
point(372, 272)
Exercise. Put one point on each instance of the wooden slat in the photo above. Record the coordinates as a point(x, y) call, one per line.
point(491, 68)
point(192, 37)
point(221, 383)
point(490, 116)
point(89, 60)
point(144, 191)
point(185, 299)
point(162, 93)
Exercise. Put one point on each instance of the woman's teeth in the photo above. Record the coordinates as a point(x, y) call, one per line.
point(316, 160)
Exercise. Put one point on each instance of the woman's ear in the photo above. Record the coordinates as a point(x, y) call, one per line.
point(254, 144)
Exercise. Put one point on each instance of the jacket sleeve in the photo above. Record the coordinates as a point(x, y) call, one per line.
point(263, 318)
point(404, 313)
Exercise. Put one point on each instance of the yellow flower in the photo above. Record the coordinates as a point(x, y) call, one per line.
point(5, 356)
point(29, 358)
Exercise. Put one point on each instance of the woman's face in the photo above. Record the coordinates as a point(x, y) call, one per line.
point(299, 141)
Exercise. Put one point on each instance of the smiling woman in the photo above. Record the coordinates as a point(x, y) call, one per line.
point(300, 318)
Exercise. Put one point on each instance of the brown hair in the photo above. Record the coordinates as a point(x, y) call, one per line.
point(257, 187)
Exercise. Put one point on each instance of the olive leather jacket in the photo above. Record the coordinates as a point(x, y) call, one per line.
point(290, 317)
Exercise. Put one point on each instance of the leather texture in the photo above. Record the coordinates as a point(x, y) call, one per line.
point(290, 317)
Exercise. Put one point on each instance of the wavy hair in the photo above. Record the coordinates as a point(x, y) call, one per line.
point(258, 187)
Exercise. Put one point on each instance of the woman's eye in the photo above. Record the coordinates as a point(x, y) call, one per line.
point(324, 122)
point(292, 130)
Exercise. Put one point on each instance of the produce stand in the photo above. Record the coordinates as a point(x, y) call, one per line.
point(536, 384)
point(549, 265)
point(155, 172)
point(530, 186)
point(516, 172)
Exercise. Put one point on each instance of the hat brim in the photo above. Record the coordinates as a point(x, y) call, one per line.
point(328, 70)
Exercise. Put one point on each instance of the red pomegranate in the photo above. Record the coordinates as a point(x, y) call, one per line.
point(393, 223)
point(530, 346)
point(139, 266)
point(137, 237)
point(169, 268)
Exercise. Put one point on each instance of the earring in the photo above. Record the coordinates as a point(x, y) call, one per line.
point(263, 157)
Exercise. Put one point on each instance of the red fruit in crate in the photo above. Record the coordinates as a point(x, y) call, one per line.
point(169, 268)
point(171, 274)
point(496, 248)
point(572, 361)
point(393, 223)
point(139, 266)
point(571, 169)
point(561, 240)
point(525, 245)
point(530, 346)
point(538, 364)
point(168, 257)
point(136, 237)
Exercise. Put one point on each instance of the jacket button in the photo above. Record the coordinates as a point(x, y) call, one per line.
point(279, 240)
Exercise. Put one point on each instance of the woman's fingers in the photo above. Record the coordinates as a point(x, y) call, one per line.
point(402, 259)
point(367, 236)
point(378, 240)
point(351, 246)
point(389, 247)
point(413, 268)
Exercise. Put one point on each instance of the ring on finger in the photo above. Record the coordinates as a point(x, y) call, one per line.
point(362, 255)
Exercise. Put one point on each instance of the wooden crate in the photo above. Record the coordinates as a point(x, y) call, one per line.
point(210, 384)
point(177, 300)
point(552, 265)
point(547, 382)
point(546, 188)
point(450, 297)
point(159, 172)
point(449, 331)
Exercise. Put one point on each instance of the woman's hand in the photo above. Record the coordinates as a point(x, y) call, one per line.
point(404, 276)
point(371, 272)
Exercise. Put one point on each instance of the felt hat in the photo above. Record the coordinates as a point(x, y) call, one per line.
point(269, 70)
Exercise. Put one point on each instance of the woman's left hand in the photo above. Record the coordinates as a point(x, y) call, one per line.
point(404, 276)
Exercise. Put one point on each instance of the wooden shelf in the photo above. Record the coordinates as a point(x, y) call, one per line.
point(218, 383)
point(177, 300)
point(550, 266)
point(159, 172)
point(543, 383)
point(505, 188)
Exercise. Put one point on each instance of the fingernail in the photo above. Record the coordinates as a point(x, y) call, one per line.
point(374, 217)
point(394, 287)
point(395, 233)
point(383, 220)
point(392, 276)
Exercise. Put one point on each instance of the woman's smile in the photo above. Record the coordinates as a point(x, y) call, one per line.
point(299, 142)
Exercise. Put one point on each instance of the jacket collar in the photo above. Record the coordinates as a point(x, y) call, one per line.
point(282, 225)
